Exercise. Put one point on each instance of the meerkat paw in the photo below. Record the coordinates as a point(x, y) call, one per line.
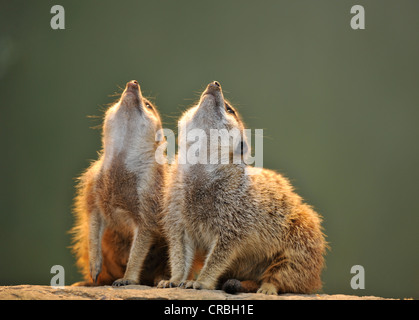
point(197, 285)
point(267, 288)
point(169, 284)
point(123, 282)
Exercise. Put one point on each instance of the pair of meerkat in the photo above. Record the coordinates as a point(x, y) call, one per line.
point(254, 232)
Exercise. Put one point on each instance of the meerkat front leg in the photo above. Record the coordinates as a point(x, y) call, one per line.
point(181, 252)
point(96, 229)
point(140, 247)
point(218, 260)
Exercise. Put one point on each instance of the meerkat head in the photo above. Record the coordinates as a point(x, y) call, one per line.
point(213, 114)
point(131, 124)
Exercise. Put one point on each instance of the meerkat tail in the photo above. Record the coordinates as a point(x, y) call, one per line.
point(234, 286)
point(80, 232)
point(80, 236)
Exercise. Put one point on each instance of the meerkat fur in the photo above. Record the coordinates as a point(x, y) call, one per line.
point(251, 226)
point(118, 203)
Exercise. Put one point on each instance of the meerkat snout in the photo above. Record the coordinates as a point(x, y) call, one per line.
point(132, 120)
point(213, 86)
point(214, 115)
point(213, 89)
point(132, 97)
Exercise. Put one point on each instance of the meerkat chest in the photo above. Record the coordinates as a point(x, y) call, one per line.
point(117, 193)
point(209, 202)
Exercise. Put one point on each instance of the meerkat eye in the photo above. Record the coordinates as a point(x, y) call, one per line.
point(229, 110)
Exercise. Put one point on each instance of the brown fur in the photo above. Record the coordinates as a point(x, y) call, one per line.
point(251, 227)
point(118, 197)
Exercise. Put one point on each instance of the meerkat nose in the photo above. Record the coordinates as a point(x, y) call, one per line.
point(214, 87)
point(133, 84)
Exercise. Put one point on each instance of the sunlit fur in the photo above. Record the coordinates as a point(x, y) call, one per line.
point(249, 227)
point(118, 203)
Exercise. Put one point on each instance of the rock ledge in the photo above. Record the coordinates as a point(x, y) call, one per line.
point(138, 292)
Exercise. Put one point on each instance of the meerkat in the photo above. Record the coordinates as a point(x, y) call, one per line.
point(251, 227)
point(117, 236)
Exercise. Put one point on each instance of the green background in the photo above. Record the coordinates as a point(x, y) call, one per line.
point(339, 109)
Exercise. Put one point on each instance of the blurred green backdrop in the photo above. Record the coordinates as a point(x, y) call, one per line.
point(339, 109)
